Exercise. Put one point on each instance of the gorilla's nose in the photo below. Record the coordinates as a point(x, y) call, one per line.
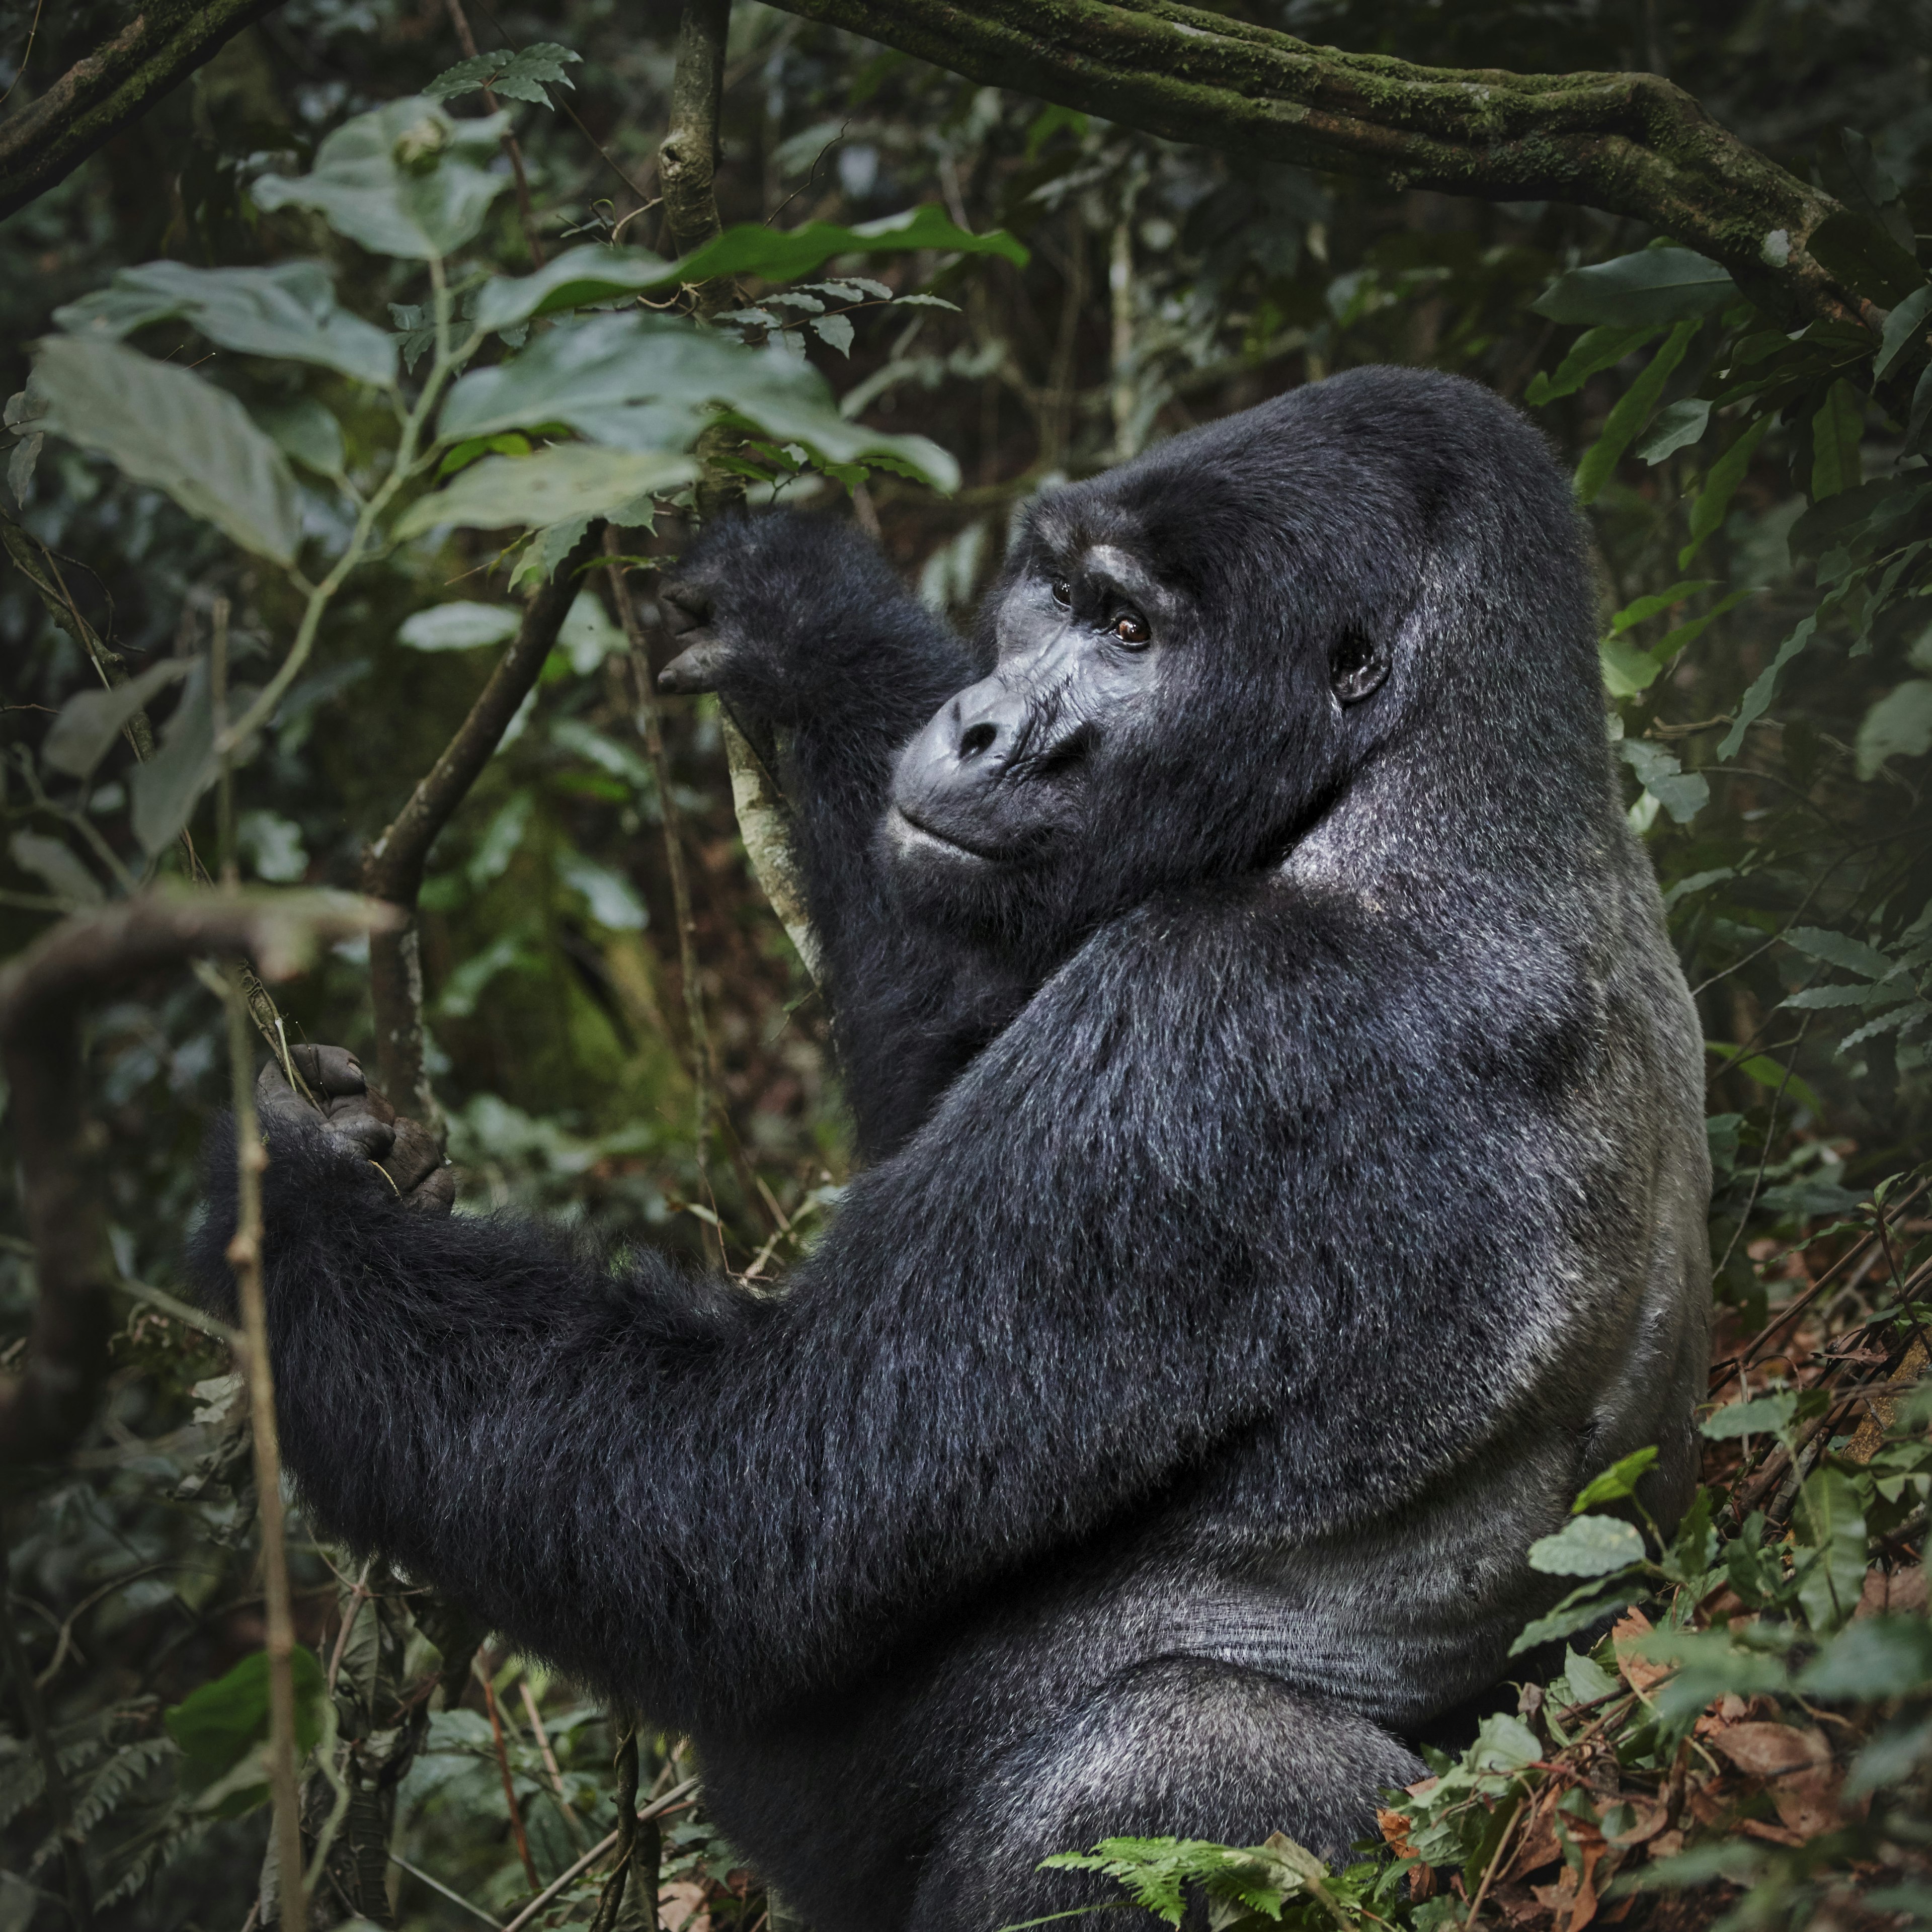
point(945, 775)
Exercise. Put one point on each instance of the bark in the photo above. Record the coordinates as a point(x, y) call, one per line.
point(112, 88)
point(43, 994)
point(1631, 144)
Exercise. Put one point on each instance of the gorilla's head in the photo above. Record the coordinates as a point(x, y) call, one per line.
point(1361, 608)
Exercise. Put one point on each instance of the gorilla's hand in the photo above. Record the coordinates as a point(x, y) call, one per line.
point(357, 1116)
point(690, 616)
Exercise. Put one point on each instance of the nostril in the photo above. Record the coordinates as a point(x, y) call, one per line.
point(979, 738)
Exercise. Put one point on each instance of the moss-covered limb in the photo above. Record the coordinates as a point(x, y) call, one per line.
point(1631, 144)
point(113, 88)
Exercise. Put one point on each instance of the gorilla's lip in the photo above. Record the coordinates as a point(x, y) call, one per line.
point(920, 829)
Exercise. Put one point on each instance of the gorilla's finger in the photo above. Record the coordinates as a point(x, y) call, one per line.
point(685, 608)
point(697, 669)
point(276, 1100)
point(437, 1196)
point(357, 1123)
point(413, 1157)
point(330, 1071)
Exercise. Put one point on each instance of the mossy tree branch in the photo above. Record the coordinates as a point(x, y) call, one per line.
point(112, 88)
point(1631, 144)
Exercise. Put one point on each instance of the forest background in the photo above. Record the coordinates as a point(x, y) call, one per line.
point(1727, 340)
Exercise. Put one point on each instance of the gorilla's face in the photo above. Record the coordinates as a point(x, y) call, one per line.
point(1003, 775)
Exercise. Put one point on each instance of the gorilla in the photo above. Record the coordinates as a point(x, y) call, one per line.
point(1284, 1184)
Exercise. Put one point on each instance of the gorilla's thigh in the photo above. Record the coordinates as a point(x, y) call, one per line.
point(1183, 1748)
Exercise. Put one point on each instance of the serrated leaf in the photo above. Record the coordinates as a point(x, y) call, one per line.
point(459, 626)
point(502, 492)
point(406, 180)
point(1840, 948)
point(170, 427)
point(1762, 1413)
point(48, 858)
point(1618, 1480)
point(575, 279)
point(288, 311)
point(777, 255)
point(1653, 285)
point(90, 721)
point(521, 76)
point(1588, 1546)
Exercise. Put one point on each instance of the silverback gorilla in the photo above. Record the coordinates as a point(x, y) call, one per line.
point(1284, 1185)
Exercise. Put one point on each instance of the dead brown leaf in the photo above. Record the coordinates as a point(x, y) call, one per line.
point(1900, 1594)
point(682, 1907)
point(1797, 1767)
point(1639, 1673)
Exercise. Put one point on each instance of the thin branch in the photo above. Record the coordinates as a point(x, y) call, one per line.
point(43, 993)
point(656, 1808)
point(460, 20)
point(392, 867)
point(517, 1831)
point(98, 97)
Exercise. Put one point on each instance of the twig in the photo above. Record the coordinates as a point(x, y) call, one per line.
point(436, 1885)
point(503, 1765)
point(574, 1823)
point(460, 20)
point(611, 1902)
point(654, 1809)
point(392, 867)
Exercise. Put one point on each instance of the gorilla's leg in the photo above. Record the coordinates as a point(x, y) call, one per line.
point(1183, 1748)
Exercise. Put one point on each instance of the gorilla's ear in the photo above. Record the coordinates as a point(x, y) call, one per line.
point(1357, 666)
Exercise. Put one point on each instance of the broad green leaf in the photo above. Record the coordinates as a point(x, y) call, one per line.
point(1840, 949)
point(573, 481)
point(1898, 726)
point(1892, 1757)
point(1875, 182)
point(164, 790)
point(288, 311)
point(1683, 794)
point(1653, 286)
point(1645, 608)
point(169, 426)
point(1632, 411)
point(304, 431)
point(1757, 700)
point(1581, 1610)
point(90, 721)
point(521, 76)
point(1857, 253)
point(587, 636)
point(834, 331)
point(50, 859)
point(1694, 1546)
point(406, 180)
point(1627, 671)
point(592, 274)
point(1873, 1659)
point(1618, 1480)
point(1904, 331)
point(1584, 1678)
point(776, 256)
point(1836, 431)
point(1588, 1546)
point(459, 626)
point(217, 1724)
point(1830, 1523)
point(1707, 513)
point(1763, 1413)
point(612, 900)
point(1596, 348)
point(1676, 428)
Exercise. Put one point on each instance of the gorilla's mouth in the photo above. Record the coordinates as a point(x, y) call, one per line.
point(908, 831)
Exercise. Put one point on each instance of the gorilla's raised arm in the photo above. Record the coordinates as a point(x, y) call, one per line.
point(1048, 1306)
point(802, 625)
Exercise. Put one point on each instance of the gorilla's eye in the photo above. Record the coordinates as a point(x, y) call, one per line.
point(1357, 667)
point(1063, 592)
point(1131, 629)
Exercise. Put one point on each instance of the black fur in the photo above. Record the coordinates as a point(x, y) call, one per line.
point(1284, 1192)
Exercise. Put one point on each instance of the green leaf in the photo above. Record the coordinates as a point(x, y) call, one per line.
point(612, 900)
point(1588, 1546)
point(1707, 512)
point(164, 791)
point(1840, 949)
point(1875, 184)
point(1582, 1609)
point(1836, 431)
point(521, 76)
point(1584, 1678)
point(1694, 1547)
point(1830, 1523)
point(1763, 1413)
point(1618, 1480)
point(776, 256)
point(1676, 428)
point(1757, 700)
point(90, 721)
point(48, 858)
point(1627, 671)
point(1683, 794)
point(406, 180)
point(1898, 726)
point(1645, 608)
point(834, 331)
point(458, 626)
point(1858, 254)
point(502, 492)
point(1632, 411)
point(288, 311)
point(170, 427)
point(304, 431)
point(1595, 350)
point(581, 276)
point(1653, 286)
point(1876, 1657)
point(216, 1725)
point(1894, 1755)
point(1904, 330)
